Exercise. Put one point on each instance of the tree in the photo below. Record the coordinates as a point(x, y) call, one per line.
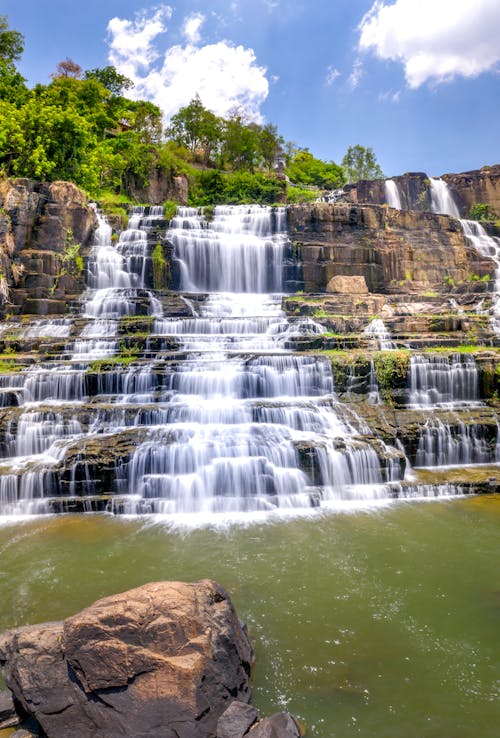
point(12, 84)
point(112, 80)
point(196, 128)
point(11, 43)
point(304, 169)
point(361, 163)
point(67, 68)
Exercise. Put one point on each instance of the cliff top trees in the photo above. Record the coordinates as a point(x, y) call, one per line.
point(303, 168)
point(12, 84)
point(361, 163)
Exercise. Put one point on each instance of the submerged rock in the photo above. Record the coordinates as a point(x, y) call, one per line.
point(164, 659)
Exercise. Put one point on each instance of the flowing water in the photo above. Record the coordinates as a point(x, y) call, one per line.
point(366, 624)
point(392, 195)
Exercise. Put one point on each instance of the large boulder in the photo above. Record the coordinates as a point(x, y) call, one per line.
point(164, 659)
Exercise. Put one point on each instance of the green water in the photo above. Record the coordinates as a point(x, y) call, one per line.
point(368, 624)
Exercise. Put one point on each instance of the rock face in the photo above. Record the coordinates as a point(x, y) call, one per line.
point(161, 186)
point(163, 659)
point(478, 186)
point(394, 250)
point(469, 188)
point(38, 224)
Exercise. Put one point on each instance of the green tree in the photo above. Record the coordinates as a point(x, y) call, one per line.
point(109, 78)
point(360, 162)
point(270, 145)
point(12, 84)
point(196, 128)
point(305, 169)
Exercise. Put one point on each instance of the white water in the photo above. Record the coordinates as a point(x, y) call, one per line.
point(392, 195)
point(227, 423)
point(442, 202)
point(442, 381)
point(376, 330)
point(442, 198)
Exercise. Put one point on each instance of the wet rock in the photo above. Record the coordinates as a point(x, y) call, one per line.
point(163, 659)
point(236, 720)
point(280, 725)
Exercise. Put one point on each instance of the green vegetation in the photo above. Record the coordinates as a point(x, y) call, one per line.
point(361, 163)
point(482, 211)
point(169, 209)
point(82, 128)
point(160, 267)
point(391, 368)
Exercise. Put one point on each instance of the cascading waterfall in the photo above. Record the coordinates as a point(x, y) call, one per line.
point(442, 198)
point(376, 329)
point(487, 246)
point(222, 420)
point(458, 444)
point(442, 202)
point(245, 434)
point(441, 381)
point(392, 196)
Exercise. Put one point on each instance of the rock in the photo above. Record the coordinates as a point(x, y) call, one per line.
point(280, 725)
point(164, 659)
point(23, 733)
point(236, 720)
point(8, 715)
point(347, 285)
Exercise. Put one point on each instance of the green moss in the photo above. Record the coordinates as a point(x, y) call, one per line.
point(170, 209)
point(391, 368)
point(160, 267)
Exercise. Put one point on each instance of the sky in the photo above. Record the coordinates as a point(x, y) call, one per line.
point(416, 80)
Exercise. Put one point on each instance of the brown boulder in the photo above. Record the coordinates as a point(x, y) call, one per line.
point(164, 659)
point(343, 285)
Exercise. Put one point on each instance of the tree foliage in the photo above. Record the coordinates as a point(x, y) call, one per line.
point(81, 127)
point(304, 169)
point(359, 163)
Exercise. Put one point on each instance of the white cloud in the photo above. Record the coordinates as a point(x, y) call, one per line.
point(191, 27)
point(434, 39)
point(130, 42)
point(332, 74)
point(222, 74)
point(356, 74)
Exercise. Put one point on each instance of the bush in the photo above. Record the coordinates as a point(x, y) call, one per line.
point(299, 194)
point(481, 211)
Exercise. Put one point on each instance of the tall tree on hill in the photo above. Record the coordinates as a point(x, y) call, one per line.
point(12, 84)
point(197, 129)
point(360, 162)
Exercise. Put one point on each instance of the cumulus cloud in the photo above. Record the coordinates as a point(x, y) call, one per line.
point(131, 41)
point(434, 39)
point(191, 27)
point(222, 74)
point(332, 74)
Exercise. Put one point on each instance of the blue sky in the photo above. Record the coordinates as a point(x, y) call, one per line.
point(417, 80)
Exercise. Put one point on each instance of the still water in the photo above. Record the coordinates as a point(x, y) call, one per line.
point(375, 624)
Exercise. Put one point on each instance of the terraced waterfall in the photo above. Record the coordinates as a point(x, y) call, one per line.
point(213, 414)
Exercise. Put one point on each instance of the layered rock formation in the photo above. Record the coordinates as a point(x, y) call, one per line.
point(43, 228)
point(469, 188)
point(394, 250)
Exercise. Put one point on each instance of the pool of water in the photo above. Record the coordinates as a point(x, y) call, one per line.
point(375, 624)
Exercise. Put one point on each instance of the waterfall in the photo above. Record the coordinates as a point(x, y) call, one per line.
point(443, 202)
point(214, 416)
point(443, 381)
point(454, 443)
point(392, 195)
point(442, 198)
point(486, 246)
point(376, 330)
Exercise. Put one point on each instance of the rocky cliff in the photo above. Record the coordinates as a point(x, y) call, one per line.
point(44, 230)
point(469, 188)
point(394, 250)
